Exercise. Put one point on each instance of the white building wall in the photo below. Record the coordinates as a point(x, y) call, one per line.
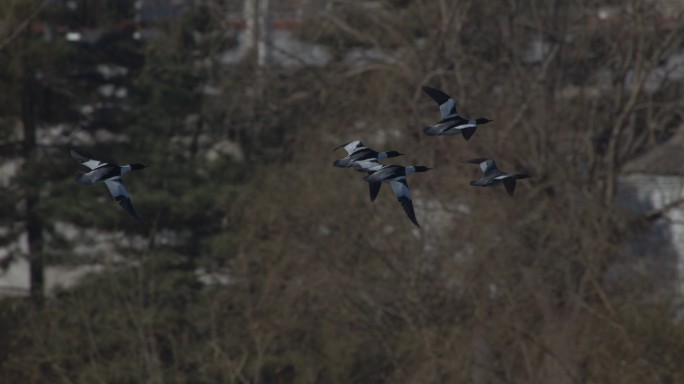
point(650, 193)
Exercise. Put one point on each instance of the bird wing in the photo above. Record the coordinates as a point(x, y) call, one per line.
point(403, 194)
point(488, 167)
point(363, 153)
point(351, 146)
point(118, 191)
point(367, 165)
point(447, 105)
point(468, 131)
point(102, 173)
point(374, 189)
point(359, 154)
point(90, 163)
point(385, 172)
point(509, 183)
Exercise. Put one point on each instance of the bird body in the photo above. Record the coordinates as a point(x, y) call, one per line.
point(110, 174)
point(396, 176)
point(493, 176)
point(451, 123)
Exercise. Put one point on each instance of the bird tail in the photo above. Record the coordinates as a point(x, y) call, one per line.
point(82, 179)
point(431, 131)
point(342, 163)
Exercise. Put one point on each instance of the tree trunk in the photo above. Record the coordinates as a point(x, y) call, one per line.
point(249, 11)
point(33, 224)
point(265, 36)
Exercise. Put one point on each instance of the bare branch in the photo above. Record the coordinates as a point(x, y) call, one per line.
point(24, 24)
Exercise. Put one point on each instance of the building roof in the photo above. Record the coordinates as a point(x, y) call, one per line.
point(666, 159)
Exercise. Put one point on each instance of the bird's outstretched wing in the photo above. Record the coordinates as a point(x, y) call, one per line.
point(486, 165)
point(118, 191)
point(92, 177)
point(447, 105)
point(403, 194)
point(90, 163)
point(374, 189)
point(350, 147)
point(367, 165)
point(468, 132)
point(489, 167)
point(509, 183)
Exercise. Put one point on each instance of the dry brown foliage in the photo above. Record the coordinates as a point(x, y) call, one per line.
point(329, 288)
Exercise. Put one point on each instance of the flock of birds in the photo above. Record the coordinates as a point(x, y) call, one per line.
point(366, 160)
point(359, 157)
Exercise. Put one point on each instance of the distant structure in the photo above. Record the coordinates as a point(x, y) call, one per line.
point(652, 186)
point(283, 14)
point(150, 11)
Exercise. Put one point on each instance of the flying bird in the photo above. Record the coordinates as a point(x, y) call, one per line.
point(110, 174)
point(361, 157)
point(396, 176)
point(451, 123)
point(493, 176)
point(364, 159)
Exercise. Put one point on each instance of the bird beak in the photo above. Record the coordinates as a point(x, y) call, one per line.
point(476, 161)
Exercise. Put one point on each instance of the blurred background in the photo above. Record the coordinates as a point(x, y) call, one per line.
point(256, 261)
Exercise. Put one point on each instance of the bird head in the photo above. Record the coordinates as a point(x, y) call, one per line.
point(477, 161)
point(421, 168)
point(393, 154)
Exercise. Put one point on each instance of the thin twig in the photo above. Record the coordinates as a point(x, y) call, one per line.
point(24, 24)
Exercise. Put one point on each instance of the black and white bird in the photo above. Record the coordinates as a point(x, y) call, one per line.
point(361, 157)
point(451, 123)
point(364, 159)
point(396, 176)
point(493, 176)
point(110, 174)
